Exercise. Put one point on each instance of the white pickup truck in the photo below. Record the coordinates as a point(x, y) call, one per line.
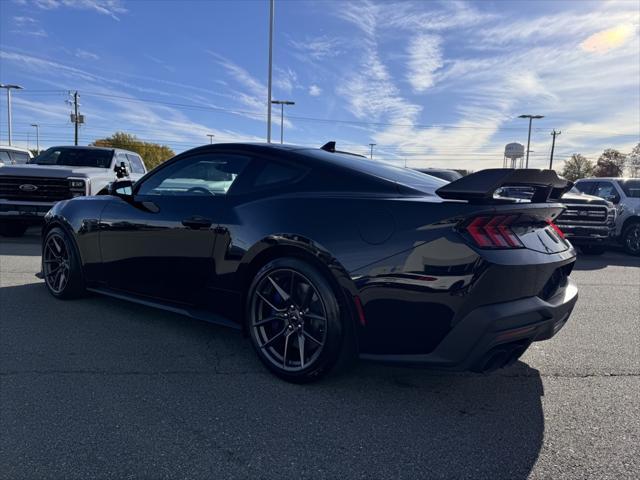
point(28, 191)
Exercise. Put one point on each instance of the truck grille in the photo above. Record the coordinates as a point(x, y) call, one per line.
point(583, 214)
point(46, 189)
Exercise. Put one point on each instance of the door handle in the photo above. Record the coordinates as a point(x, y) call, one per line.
point(197, 222)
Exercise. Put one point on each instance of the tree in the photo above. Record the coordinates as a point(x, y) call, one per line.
point(153, 154)
point(610, 164)
point(633, 160)
point(578, 166)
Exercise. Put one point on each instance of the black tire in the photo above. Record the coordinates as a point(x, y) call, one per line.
point(12, 229)
point(592, 249)
point(631, 239)
point(61, 267)
point(310, 317)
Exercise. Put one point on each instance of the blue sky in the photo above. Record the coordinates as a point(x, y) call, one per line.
point(432, 83)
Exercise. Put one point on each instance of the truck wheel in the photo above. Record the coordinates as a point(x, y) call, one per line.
point(592, 249)
point(12, 229)
point(631, 239)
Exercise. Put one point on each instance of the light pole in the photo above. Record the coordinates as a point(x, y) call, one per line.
point(271, 7)
point(210, 135)
point(282, 103)
point(530, 117)
point(9, 88)
point(37, 136)
point(553, 146)
point(371, 145)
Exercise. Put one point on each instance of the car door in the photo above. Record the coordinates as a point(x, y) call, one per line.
point(159, 241)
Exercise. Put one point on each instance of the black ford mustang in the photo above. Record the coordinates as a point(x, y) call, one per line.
point(319, 255)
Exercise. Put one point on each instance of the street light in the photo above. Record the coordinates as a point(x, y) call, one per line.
point(372, 145)
point(282, 103)
point(37, 136)
point(210, 135)
point(530, 117)
point(9, 88)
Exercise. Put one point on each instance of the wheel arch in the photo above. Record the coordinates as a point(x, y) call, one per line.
point(629, 221)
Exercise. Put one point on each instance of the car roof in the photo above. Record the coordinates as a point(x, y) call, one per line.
point(11, 147)
point(92, 147)
point(618, 179)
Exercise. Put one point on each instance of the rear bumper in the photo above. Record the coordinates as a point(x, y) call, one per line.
point(503, 329)
point(586, 234)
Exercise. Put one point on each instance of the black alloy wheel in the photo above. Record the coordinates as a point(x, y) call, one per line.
point(294, 320)
point(631, 239)
point(60, 265)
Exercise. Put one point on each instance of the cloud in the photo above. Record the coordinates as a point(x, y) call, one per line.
point(85, 54)
point(606, 40)
point(315, 90)
point(317, 48)
point(425, 57)
point(28, 26)
point(285, 79)
point(111, 8)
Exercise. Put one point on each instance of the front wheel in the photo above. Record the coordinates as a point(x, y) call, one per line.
point(631, 239)
point(294, 321)
point(61, 265)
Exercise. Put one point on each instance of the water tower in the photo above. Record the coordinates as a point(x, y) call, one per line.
point(512, 153)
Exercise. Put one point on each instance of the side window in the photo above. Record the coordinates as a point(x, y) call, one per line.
point(585, 187)
point(607, 191)
point(275, 172)
point(136, 163)
point(206, 174)
point(121, 157)
point(20, 157)
point(4, 157)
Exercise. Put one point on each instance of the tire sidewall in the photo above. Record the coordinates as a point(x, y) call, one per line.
point(627, 231)
point(75, 284)
point(335, 334)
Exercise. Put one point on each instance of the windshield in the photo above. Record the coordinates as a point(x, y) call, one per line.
point(75, 157)
point(448, 175)
point(631, 188)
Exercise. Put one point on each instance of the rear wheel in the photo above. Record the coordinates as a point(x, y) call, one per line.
point(631, 239)
point(61, 265)
point(592, 249)
point(294, 320)
point(12, 229)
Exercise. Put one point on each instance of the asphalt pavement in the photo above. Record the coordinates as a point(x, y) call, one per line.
point(101, 388)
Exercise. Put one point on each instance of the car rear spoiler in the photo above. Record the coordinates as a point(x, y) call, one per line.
point(479, 187)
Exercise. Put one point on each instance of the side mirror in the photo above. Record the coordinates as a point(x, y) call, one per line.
point(612, 198)
point(121, 188)
point(121, 170)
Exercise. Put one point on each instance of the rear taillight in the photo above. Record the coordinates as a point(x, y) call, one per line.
point(556, 228)
point(494, 232)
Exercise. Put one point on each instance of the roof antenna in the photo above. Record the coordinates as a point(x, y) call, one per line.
point(329, 147)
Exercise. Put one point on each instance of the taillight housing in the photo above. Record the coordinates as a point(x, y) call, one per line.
point(556, 228)
point(494, 232)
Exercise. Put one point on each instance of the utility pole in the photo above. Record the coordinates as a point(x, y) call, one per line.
point(9, 88)
point(76, 119)
point(271, 7)
point(282, 103)
point(37, 136)
point(553, 146)
point(530, 117)
point(371, 154)
point(210, 135)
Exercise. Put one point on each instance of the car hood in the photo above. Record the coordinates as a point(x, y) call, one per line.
point(55, 171)
point(581, 198)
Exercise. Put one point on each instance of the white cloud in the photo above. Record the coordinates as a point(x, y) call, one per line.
point(28, 26)
point(318, 48)
point(86, 55)
point(315, 90)
point(111, 8)
point(425, 57)
point(285, 79)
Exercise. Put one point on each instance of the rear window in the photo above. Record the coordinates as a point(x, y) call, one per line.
point(631, 188)
point(273, 173)
point(20, 157)
point(404, 176)
point(75, 157)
